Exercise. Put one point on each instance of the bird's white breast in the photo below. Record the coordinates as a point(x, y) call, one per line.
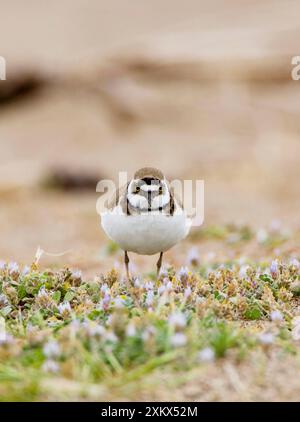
point(145, 234)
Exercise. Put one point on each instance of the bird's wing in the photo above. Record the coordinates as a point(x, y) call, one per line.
point(119, 198)
point(175, 197)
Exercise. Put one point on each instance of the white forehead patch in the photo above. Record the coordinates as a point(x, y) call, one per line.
point(149, 188)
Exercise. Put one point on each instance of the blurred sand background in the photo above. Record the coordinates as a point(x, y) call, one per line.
point(199, 89)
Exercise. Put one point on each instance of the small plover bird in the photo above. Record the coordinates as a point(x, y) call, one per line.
point(145, 217)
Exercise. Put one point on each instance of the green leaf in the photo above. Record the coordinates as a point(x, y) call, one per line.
point(266, 278)
point(253, 313)
point(56, 296)
point(218, 295)
point(94, 314)
point(69, 296)
point(21, 291)
point(6, 310)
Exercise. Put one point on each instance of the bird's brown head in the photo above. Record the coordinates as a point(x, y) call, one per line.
point(148, 190)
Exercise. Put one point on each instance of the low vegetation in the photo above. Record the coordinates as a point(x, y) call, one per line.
point(57, 328)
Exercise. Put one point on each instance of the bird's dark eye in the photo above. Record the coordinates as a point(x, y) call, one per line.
point(160, 190)
point(137, 189)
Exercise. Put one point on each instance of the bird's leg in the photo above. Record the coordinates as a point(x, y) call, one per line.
point(159, 262)
point(126, 258)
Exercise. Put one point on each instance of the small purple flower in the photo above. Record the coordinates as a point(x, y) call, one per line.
point(109, 320)
point(177, 320)
point(132, 268)
point(26, 270)
point(164, 273)
point(104, 288)
point(161, 289)
point(2, 265)
point(51, 349)
point(187, 292)
point(64, 309)
point(77, 275)
point(149, 285)
point(137, 283)
point(6, 339)
point(106, 301)
point(276, 316)
point(119, 302)
point(243, 271)
point(75, 326)
point(241, 261)
point(266, 338)
point(274, 269)
point(149, 298)
point(169, 286)
point(254, 284)
point(166, 280)
point(295, 263)
point(3, 300)
point(178, 340)
point(209, 271)
point(206, 355)
point(193, 257)
point(50, 366)
point(183, 274)
point(13, 268)
point(130, 330)
point(42, 293)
